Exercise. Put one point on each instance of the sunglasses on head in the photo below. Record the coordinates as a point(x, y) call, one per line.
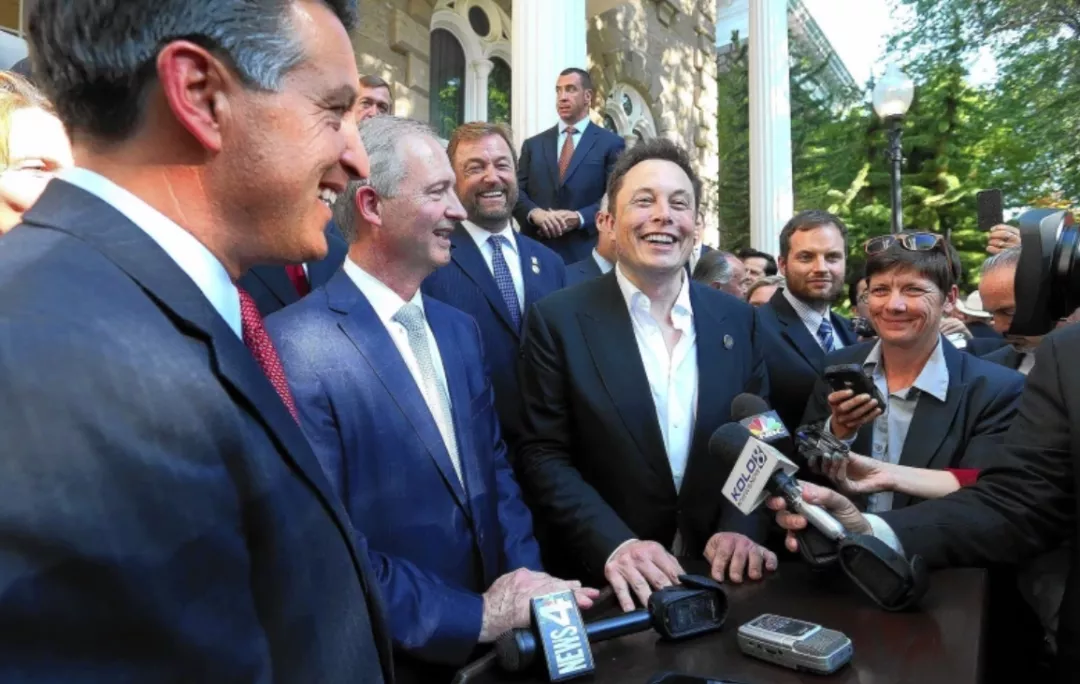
point(913, 242)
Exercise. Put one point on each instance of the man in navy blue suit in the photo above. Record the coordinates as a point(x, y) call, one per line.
point(393, 396)
point(164, 518)
point(495, 274)
point(564, 171)
point(274, 287)
point(800, 323)
point(603, 255)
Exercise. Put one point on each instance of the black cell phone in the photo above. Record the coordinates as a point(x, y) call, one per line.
point(990, 209)
point(850, 376)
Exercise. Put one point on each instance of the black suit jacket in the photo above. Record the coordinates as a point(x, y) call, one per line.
point(592, 453)
point(1027, 504)
point(794, 357)
point(1005, 356)
point(957, 433)
point(271, 288)
point(581, 271)
point(164, 518)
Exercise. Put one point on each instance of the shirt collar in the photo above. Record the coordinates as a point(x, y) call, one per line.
point(579, 126)
point(192, 256)
point(682, 314)
point(481, 236)
point(933, 379)
point(812, 318)
point(385, 301)
point(604, 264)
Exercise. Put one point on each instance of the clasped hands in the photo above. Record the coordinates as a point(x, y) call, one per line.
point(551, 223)
point(644, 566)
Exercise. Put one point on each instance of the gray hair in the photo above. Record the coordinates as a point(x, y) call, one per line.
point(95, 60)
point(767, 281)
point(714, 267)
point(603, 203)
point(382, 137)
point(1006, 258)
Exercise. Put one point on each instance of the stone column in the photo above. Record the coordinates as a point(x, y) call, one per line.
point(477, 107)
point(548, 36)
point(771, 195)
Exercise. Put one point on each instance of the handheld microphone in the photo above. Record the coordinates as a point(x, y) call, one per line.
point(753, 413)
point(758, 470)
point(818, 445)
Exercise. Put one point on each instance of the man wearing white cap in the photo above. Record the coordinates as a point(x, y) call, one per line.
point(975, 316)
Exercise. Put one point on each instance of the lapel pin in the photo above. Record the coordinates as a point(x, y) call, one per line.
point(728, 342)
point(535, 265)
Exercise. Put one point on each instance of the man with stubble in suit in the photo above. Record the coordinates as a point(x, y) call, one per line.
point(624, 379)
point(164, 518)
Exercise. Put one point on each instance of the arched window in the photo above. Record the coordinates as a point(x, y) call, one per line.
point(627, 113)
point(447, 82)
point(481, 30)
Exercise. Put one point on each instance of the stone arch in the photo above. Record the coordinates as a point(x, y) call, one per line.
point(453, 16)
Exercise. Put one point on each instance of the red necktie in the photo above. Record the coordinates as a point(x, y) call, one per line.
point(262, 349)
point(299, 279)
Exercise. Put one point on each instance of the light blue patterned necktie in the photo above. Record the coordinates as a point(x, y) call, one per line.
point(825, 335)
point(503, 279)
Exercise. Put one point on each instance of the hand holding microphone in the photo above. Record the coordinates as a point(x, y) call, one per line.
point(832, 503)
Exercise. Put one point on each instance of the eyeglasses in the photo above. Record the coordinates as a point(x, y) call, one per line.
point(913, 242)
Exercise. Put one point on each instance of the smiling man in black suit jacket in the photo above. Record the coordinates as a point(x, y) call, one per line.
point(624, 380)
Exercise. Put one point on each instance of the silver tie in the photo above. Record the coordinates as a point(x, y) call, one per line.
point(411, 317)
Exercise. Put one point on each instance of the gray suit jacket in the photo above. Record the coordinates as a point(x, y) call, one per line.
point(164, 519)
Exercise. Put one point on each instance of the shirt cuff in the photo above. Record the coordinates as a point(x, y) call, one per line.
point(617, 550)
point(880, 529)
point(828, 428)
point(581, 220)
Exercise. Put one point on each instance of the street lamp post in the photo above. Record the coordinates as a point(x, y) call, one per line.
point(892, 98)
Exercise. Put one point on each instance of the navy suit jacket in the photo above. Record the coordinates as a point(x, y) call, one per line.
point(435, 546)
point(164, 518)
point(581, 190)
point(270, 286)
point(580, 271)
point(795, 359)
point(592, 455)
point(1005, 356)
point(467, 284)
point(961, 432)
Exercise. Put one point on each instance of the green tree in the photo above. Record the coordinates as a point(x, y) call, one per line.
point(733, 127)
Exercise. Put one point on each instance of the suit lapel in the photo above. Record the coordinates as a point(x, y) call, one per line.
point(363, 327)
point(932, 420)
point(277, 281)
point(320, 272)
point(88, 218)
point(794, 330)
point(842, 328)
point(533, 279)
point(467, 256)
point(609, 335)
point(584, 146)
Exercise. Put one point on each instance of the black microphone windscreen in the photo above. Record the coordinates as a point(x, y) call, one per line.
point(746, 405)
point(726, 444)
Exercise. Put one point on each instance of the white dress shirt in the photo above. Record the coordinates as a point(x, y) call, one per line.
point(604, 265)
point(673, 378)
point(386, 304)
point(812, 319)
point(513, 258)
point(192, 256)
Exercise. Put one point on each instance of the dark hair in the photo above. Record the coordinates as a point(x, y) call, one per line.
point(372, 81)
point(657, 148)
point(939, 265)
point(809, 220)
point(586, 79)
point(478, 130)
point(853, 290)
point(96, 60)
point(713, 267)
point(751, 253)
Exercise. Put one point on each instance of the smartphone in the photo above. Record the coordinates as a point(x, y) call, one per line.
point(850, 376)
point(990, 209)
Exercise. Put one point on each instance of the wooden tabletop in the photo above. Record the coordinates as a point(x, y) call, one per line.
point(939, 644)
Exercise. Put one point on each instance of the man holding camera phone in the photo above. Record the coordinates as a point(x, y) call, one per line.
point(920, 409)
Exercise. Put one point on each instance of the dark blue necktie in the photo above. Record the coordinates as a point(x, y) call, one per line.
point(825, 335)
point(503, 279)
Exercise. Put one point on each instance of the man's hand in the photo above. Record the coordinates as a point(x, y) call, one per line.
point(1002, 237)
point(953, 326)
point(842, 509)
point(849, 412)
point(506, 602)
point(641, 566)
point(571, 220)
point(737, 553)
point(549, 223)
point(858, 474)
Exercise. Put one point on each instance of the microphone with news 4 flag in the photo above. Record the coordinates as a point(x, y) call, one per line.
point(758, 471)
point(697, 605)
point(818, 547)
